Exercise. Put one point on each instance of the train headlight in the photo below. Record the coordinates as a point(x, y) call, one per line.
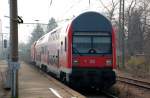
point(108, 62)
point(75, 62)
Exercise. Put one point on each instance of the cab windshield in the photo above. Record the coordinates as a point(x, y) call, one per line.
point(91, 45)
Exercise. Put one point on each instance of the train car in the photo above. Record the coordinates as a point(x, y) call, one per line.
point(81, 53)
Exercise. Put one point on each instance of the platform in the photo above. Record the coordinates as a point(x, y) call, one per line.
point(3, 67)
point(33, 84)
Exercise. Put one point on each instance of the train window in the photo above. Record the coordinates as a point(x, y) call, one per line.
point(61, 42)
point(61, 47)
point(49, 38)
point(45, 49)
point(65, 43)
point(92, 33)
point(58, 36)
point(53, 32)
point(102, 44)
point(42, 50)
point(81, 44)
point(55, 36)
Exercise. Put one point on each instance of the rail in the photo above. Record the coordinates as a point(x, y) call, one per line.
point(136, 82)
point(109, 94)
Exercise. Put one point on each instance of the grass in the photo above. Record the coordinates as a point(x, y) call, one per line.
point(138, 67)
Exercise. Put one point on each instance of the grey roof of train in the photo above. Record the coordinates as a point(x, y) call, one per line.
point(91, 21)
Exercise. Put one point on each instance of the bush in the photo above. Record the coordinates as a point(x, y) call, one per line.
point(137, 66)
point(136, 61)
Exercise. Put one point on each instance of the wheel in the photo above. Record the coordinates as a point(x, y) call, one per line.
point(63, 77)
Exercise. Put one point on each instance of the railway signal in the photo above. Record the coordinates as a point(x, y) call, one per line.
point(5, 43)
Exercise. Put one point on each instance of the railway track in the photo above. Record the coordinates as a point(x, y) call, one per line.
point(98, 94)
point(135, 82)
point(109, 95)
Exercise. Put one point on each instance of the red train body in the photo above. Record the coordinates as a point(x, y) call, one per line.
point(83, 53)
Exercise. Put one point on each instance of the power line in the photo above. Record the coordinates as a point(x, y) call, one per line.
point(72, 6)
point(51, 2)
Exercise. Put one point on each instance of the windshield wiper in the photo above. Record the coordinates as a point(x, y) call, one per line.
point(75, 50)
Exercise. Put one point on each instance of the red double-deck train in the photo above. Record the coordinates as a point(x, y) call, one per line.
point(82, 53)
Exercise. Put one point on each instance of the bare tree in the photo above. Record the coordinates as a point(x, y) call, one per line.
point(146, 30)
point(138, 40)
point(135, 19)
point(135, 33)
point(111, 9)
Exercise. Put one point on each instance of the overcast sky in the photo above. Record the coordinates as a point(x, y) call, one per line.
point(31, 10)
